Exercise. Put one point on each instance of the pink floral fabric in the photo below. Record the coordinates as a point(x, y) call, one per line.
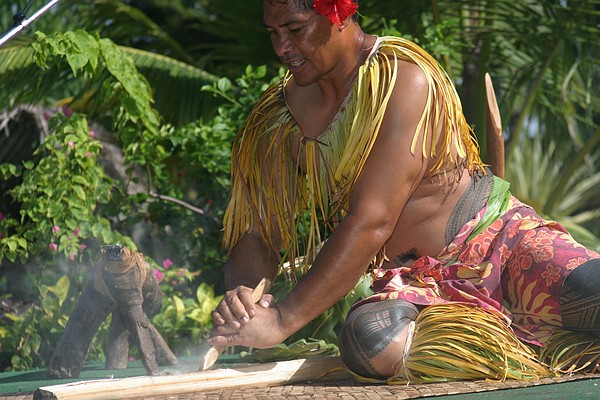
point(515, 267)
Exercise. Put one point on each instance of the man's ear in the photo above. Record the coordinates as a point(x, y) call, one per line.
point(346, 23)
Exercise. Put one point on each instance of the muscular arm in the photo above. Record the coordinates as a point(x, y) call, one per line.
point(389, 178)
point(249, 261)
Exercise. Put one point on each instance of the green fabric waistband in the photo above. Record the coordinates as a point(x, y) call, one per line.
point(497, 205)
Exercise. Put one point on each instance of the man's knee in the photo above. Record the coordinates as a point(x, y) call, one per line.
point(580, 299)
point(372, 328)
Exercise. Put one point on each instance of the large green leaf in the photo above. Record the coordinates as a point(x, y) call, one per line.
point(177, 86)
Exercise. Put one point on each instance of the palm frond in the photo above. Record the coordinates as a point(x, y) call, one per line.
point(177, 85)
point(542, 177)
point(454, 342)
point(569, 352)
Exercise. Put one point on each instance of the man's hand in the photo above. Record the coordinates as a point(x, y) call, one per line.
point(262, 331)
point(237, 308)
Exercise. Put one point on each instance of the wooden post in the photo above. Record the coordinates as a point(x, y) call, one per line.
point(495, 140)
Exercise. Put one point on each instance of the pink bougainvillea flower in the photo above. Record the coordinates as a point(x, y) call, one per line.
point(67, 111)
point(336, 10)
point(88, 154)
point(1, 216)
point(76, 231)
point(167, 263)
point(158, 275)
point(82, 247)
point(71, 144)
point(72, 256)
point(53, 246)
point(92, 134)
point(56, 229)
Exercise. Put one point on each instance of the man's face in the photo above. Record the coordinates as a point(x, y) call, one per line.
point(301, 40)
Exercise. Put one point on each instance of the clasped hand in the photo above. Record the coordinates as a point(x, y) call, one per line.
point(240, 321)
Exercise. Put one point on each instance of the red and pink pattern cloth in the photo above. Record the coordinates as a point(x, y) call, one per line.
point(515, 267)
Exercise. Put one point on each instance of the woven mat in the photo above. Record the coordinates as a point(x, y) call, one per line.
point(352, 390)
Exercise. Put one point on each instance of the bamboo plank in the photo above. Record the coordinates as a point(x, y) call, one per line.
point(251, 375)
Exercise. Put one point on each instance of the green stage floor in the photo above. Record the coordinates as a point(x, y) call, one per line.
point(582, 389)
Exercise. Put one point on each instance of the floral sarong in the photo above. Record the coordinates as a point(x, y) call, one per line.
point(514, 266)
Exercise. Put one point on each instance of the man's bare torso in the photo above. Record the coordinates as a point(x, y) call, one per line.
point(421, 228)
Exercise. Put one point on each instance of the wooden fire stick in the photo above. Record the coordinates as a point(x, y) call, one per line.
point(213, 353)
point(252, 375)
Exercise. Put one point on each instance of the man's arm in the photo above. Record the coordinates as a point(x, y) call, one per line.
point(389, 178)
point(249, 261)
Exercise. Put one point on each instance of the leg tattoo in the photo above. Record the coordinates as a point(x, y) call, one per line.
point(369, 329)
point(580, 299)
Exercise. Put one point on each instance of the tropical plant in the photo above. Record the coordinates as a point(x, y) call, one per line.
point(30, 332)
point(66, 200)
point(560, 189)
point(68, 205)
point(173, 79)
point(185, 322)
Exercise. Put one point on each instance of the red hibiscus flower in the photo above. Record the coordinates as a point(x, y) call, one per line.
point(336, 10)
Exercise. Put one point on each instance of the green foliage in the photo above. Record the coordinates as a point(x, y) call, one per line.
point(538, 175)
point(65, 184)
point(302, 348)
point(58, 195)
point(207, 144)
point(184, 322)
point(441, 40)
point(29, 337)
point(67, 200)
point(87, 54)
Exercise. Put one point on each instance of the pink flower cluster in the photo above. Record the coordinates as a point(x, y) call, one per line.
point(54, 247)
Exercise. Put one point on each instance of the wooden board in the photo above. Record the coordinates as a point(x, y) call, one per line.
point(251, 375)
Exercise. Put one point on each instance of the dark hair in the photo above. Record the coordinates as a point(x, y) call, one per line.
point(304, 5)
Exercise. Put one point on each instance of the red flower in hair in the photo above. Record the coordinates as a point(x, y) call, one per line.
point(336, 10)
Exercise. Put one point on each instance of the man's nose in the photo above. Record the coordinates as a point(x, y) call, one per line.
point(281, 45)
